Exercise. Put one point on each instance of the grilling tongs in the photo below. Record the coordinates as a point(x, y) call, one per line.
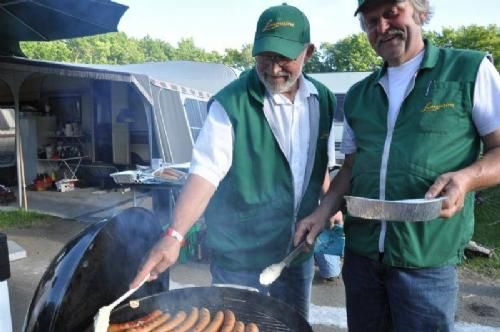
point(101, 320)
point(272, 272)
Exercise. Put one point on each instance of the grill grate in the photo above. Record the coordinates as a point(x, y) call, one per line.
point(269, 314)
point(265, 322)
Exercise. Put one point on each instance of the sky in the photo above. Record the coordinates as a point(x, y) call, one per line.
point(220, 24)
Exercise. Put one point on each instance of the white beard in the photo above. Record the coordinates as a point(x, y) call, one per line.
point(283, 87)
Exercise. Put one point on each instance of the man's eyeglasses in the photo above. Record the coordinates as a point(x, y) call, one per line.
point(271, 59)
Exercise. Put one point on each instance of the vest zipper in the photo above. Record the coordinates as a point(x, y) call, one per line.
point(385, 158)
point(383, 176)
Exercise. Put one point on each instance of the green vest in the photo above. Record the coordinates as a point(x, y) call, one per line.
point(434, 134)
point(251, 219)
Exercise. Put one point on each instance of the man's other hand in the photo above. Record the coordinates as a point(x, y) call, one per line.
point(308, 229)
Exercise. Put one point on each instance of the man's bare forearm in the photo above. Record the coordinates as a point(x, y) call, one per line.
point(192, 202)
point(486, 171)
point(481, 174)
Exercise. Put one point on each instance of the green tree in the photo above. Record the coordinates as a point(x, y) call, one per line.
point(474, 37)
point(53, 51)
point(125, 50)
point(96, 49)
point(316, 63)
point(187, 50)
point(353, 53)
point(241, 60)
point(155, 50)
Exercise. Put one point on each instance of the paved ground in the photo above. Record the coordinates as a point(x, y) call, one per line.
point(41, 244)
point(82, 204)
point(479, 301)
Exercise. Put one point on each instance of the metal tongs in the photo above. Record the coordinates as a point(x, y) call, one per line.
point(101, 320)
point(272, 272)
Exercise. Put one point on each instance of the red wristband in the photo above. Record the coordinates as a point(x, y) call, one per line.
point(176, 235)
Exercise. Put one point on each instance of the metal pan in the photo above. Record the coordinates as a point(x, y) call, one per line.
point(402, 210)
point(268, 313)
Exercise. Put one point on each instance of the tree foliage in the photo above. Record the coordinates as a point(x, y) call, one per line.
point(352, 53)
point(241, 60)
point(316, 63)
point(473, 37)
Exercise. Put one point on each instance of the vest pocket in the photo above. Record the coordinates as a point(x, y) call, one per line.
point(441, 107)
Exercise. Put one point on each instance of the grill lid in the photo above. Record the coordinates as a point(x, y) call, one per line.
point(92, 270)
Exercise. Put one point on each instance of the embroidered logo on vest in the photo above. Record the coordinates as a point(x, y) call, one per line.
point(434, 108)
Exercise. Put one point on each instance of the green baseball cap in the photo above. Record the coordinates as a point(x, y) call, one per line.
point(363, 4)
point(281, 29)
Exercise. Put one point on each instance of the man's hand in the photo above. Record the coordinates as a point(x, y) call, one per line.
point(308, 229)
point(337, 219)
point(190, 205)
point(453, 186)
point(163, 255)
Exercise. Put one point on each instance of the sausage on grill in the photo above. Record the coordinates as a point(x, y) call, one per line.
point(216, 323)
point(239, 327)
point(229, 321)
point(251, 327)
point(203, 321)
point(179, 317)
point(151, 324)
point(134, 323)
point(189, 322)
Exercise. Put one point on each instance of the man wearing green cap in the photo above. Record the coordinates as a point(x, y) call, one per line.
point(260, 161)
point(413, 129)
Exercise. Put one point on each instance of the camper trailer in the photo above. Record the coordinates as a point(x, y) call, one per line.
point(87, 121)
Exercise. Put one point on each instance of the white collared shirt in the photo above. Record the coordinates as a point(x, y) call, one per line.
point(213, 150)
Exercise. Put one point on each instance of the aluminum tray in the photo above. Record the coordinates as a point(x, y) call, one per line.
point(402, 210)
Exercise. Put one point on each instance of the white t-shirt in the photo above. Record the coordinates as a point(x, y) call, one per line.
point(213, 150)
point(486, 104)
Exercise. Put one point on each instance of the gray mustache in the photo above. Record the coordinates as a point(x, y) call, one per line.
point(389, 34)
point(279, 74)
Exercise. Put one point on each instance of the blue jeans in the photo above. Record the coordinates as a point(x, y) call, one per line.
point(384, 298)
point(329, 265)
point(293, 287)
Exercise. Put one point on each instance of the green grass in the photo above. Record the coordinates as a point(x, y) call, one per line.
point(21, 218)
point(487, 232)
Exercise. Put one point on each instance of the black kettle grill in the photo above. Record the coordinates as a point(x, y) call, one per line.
point(95, 268)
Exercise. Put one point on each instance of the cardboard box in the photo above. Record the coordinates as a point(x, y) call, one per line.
point(65, 185)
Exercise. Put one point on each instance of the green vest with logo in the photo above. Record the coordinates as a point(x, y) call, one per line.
point(251, 217)
point(434, 134)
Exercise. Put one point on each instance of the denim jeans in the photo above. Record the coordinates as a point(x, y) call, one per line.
point(329, 265)
point(384, 298)
point(293, 287)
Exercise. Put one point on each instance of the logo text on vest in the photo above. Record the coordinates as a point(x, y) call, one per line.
point(434, 108)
